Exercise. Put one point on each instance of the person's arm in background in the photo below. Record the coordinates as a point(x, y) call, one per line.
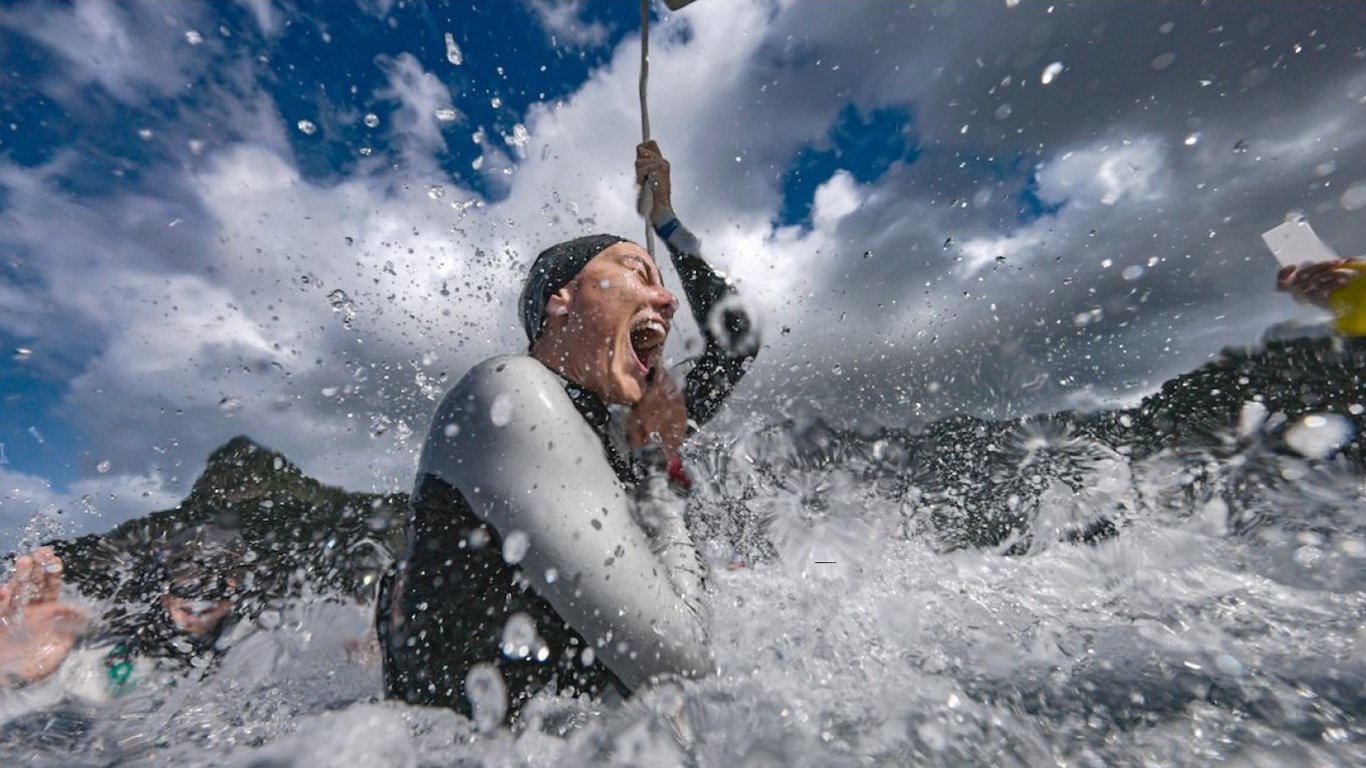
point(37, 632)
point(732, 340)
point(1314, 283)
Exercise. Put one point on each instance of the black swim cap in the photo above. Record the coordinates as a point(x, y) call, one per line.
point(554, 267)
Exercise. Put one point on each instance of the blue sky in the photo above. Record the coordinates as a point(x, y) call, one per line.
point(303, 221)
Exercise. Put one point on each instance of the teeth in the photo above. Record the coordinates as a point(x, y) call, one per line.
point(648, 334)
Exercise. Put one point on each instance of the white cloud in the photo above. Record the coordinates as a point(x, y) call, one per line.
point(229, 322)
point(425, 108)
point(561, 20)
point(836, 198)
point(263, 11)
point(1106, 174)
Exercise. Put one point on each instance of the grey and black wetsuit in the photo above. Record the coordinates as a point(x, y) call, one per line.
point(523, 550)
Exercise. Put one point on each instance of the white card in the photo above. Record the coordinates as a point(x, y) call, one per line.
point(1294, 243)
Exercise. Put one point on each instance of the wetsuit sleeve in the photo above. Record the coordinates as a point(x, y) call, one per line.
point(732, 339)
point(509, 437)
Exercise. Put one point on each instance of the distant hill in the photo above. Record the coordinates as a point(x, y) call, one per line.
point(304, 536)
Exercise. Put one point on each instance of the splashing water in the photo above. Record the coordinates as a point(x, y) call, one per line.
point(1053, 590)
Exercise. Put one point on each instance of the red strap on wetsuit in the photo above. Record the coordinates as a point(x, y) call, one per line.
point(677, 474)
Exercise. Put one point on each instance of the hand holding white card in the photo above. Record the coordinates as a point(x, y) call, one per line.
point(1294, 243)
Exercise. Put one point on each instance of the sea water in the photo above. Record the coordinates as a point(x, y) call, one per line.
point(1194, 606)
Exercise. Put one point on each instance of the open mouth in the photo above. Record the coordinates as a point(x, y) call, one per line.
point(647, 341)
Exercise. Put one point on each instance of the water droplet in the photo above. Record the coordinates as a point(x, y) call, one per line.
point(733, 327)
point(1354, 198)
point(500, 413)
point(446, 115)
point(1163, 61)
point(342, 305)
point(1251, 418)
point(307, 128)
point(103, 467)
point(1051, 72)
point(371, 120)
point(453, 54)
point(1318, 436)
point(488, 696)
point(520, 640)
point(515, 547)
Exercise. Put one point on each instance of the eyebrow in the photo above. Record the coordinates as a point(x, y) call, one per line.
point(650, 269)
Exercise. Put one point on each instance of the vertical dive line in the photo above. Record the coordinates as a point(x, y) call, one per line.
point(646, 194)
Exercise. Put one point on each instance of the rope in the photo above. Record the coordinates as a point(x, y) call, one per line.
point(646, 201)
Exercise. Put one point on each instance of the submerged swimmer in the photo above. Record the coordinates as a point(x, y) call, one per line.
point(186, 612)
point(527, 567)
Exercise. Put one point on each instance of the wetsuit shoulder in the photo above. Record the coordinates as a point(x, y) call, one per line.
point(510, 439)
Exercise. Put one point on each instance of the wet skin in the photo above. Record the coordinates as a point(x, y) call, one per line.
point(608, 325)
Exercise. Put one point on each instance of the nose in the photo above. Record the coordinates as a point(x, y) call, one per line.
point(665, 302)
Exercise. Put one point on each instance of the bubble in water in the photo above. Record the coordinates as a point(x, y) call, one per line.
point(1003, 111)
point(307, 128)
point(436, 191)
point(1132, 272)
point(371, 120)
point(145, 134)
point(446, 115)
point(515, 547)
point(1192, 139)
point(102, 467)
point(500, 413)
point(1051, 72)
point(453, 54)
point(193, 37)
point(1163, 61)
point(495, 102)
point(488, 696)
point(451, 430)
point(22, 353)
point(1319, 435)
